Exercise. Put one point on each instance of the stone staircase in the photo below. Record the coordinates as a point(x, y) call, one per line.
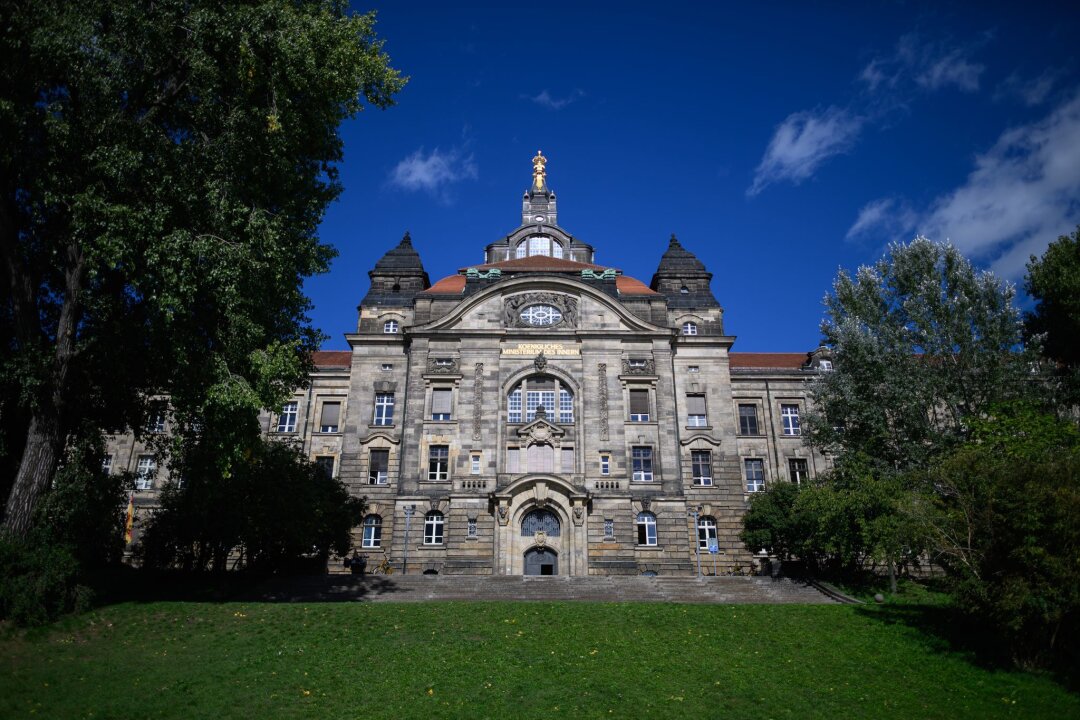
point(592, 588)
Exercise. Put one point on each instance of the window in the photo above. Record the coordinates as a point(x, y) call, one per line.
point(372, 532)
point(706, 531)
point(646, 529)
point(522, 249)
point(513, 460)
point(684, 290)
point(440, 403)
point(471, 528)
point(331, 416)
point(145, 470)
point(825, 364)
point(695, 411)
point(639, 406)
point(325, 463)
point(386, 367)
point(701, 462)
point(287, 418)
point(384, 409)
point(474, 463)
point(566, 407)
point(513, 411)
point(755, 475)
point(642, 463)
point(748, 420)
point(693, 369)
point(439, 462)
point(798, 470)
point(539, 245)
point(789, 416)
point(106, 464)
point(605, 464)
point(379, 466)
point(433, 528)
point(536, 391)
point(567, 461)
point(540, 315)
point(609, 529)
point(543, 521)
point(156, 422)
point(689, 328)
point(390, 327)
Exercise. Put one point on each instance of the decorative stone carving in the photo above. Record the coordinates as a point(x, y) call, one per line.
point(438, 365)
point(567, 305)
point(540, 362)
point(602, 368)
point(540, 537)
point(642, 366)
point(541, 412)
point(434, 504)
point(478, 401)
point(578, 512)
point(606, 274)
point(477, 274)
point(646, 503)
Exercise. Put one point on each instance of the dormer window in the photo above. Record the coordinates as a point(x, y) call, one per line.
point(637, 362)
point(443, 362)
point(684, 290)
point(825, 364)
point(539, 245)
point(390, 327)
point(689, 328)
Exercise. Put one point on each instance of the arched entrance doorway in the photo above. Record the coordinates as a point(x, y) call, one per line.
point(541, 561)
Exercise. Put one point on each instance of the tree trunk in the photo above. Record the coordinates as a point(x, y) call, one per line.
point(892, 576)
point(43, 445)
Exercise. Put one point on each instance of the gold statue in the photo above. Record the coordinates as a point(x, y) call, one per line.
point(538, 170)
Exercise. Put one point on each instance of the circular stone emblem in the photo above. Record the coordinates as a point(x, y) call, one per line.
point(540, 315)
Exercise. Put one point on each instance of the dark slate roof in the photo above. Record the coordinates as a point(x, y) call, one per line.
point(677, 260)
point(402, 257)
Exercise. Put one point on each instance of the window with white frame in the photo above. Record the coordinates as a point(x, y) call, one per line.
point(474, 463)
point(748, 419)
point(639, 405)
point(156, 422)
point(145, 470)
point(390, 327)
point(532, 392)
point(605, 464)
point(825, 364)
point(384, 409)
point(330, 417)
point(789, 416)
point(798, 470)
point(439, 462)
point(641, 462)
point(695, 411)
point(378, 466)
point(372, 532)
point(106, 464)
point(689, 328)
point(441, 403)
point(326, 464)
point(755, 474)
point(706, 531)
point(386, 367)
point(646, 528)
point(286, 422)
point(522, 249)
point(433, 528)
point(701, 464)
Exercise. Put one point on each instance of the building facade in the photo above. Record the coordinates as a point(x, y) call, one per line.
point(542, 413)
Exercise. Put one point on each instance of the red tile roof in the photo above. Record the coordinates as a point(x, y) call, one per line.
point(452, 285)
point(540, 263)
point(786, 361)
point(332, 358)
point(627, 285)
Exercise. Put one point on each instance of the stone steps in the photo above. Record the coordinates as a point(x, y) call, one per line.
point(594, 588)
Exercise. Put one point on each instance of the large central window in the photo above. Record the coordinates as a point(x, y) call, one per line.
point(540, 390)
point(540, 315)
point(539, 245)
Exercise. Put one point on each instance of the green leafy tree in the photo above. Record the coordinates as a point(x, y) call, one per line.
point(164, 167)
point(1054, 282)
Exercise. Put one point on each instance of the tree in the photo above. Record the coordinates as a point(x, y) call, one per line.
point(1054, 282)
point(165, 167)
point(921, 342)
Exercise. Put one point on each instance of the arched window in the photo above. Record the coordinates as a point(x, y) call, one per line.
point(532, 392)
point(539, 245)
point(540, 521)
point(372, 531)
point(390, 327)
point(433, 528)
point(522, 249)
point(689, 328)
point(646, 528)
point(706, 531)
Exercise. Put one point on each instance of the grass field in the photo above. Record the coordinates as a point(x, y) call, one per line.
point(504, 660)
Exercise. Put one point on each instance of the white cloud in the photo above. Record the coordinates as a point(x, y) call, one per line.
point(545, 99)
point(887, 216)
point(951, 69)
point(1032, 91)
point(1023, 193)
point(435, 172)
point(802, 142)
point(930, 65)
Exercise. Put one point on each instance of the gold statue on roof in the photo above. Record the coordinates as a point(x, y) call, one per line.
point(539, 174)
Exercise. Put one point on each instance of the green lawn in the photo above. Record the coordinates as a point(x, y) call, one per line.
point(505, 660)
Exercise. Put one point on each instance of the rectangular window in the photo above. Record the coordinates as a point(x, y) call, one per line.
point(379, 466)
point(145, 470)
point(471, 528)
point(536, 398)
point(440, 403)
point(325, 463)
point(748, 420)
point(439, 462)
point(755, 475)
point(331, 416)
point(609, 529)
point(567, 461)
point(287, 418)
point(386, 367)
point(513, 460)
point(798, 470)
point(106, 464)
point(384, 409)
point(642, 463)
point(693, 369)
point(566, 407)
point(789, 416)
point(639, 406)
point(474, 463)
point(695, 411)
point(156, 422)
point(605, 464)
point(513, 411)
point(701, 462)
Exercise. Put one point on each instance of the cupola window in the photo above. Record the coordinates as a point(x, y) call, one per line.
point(539, 245)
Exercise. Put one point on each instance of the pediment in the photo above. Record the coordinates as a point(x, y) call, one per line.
point(540, 431)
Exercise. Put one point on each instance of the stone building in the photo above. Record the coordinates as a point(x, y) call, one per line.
point(542, 413)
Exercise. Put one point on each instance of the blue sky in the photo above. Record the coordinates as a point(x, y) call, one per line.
point(779, 141)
